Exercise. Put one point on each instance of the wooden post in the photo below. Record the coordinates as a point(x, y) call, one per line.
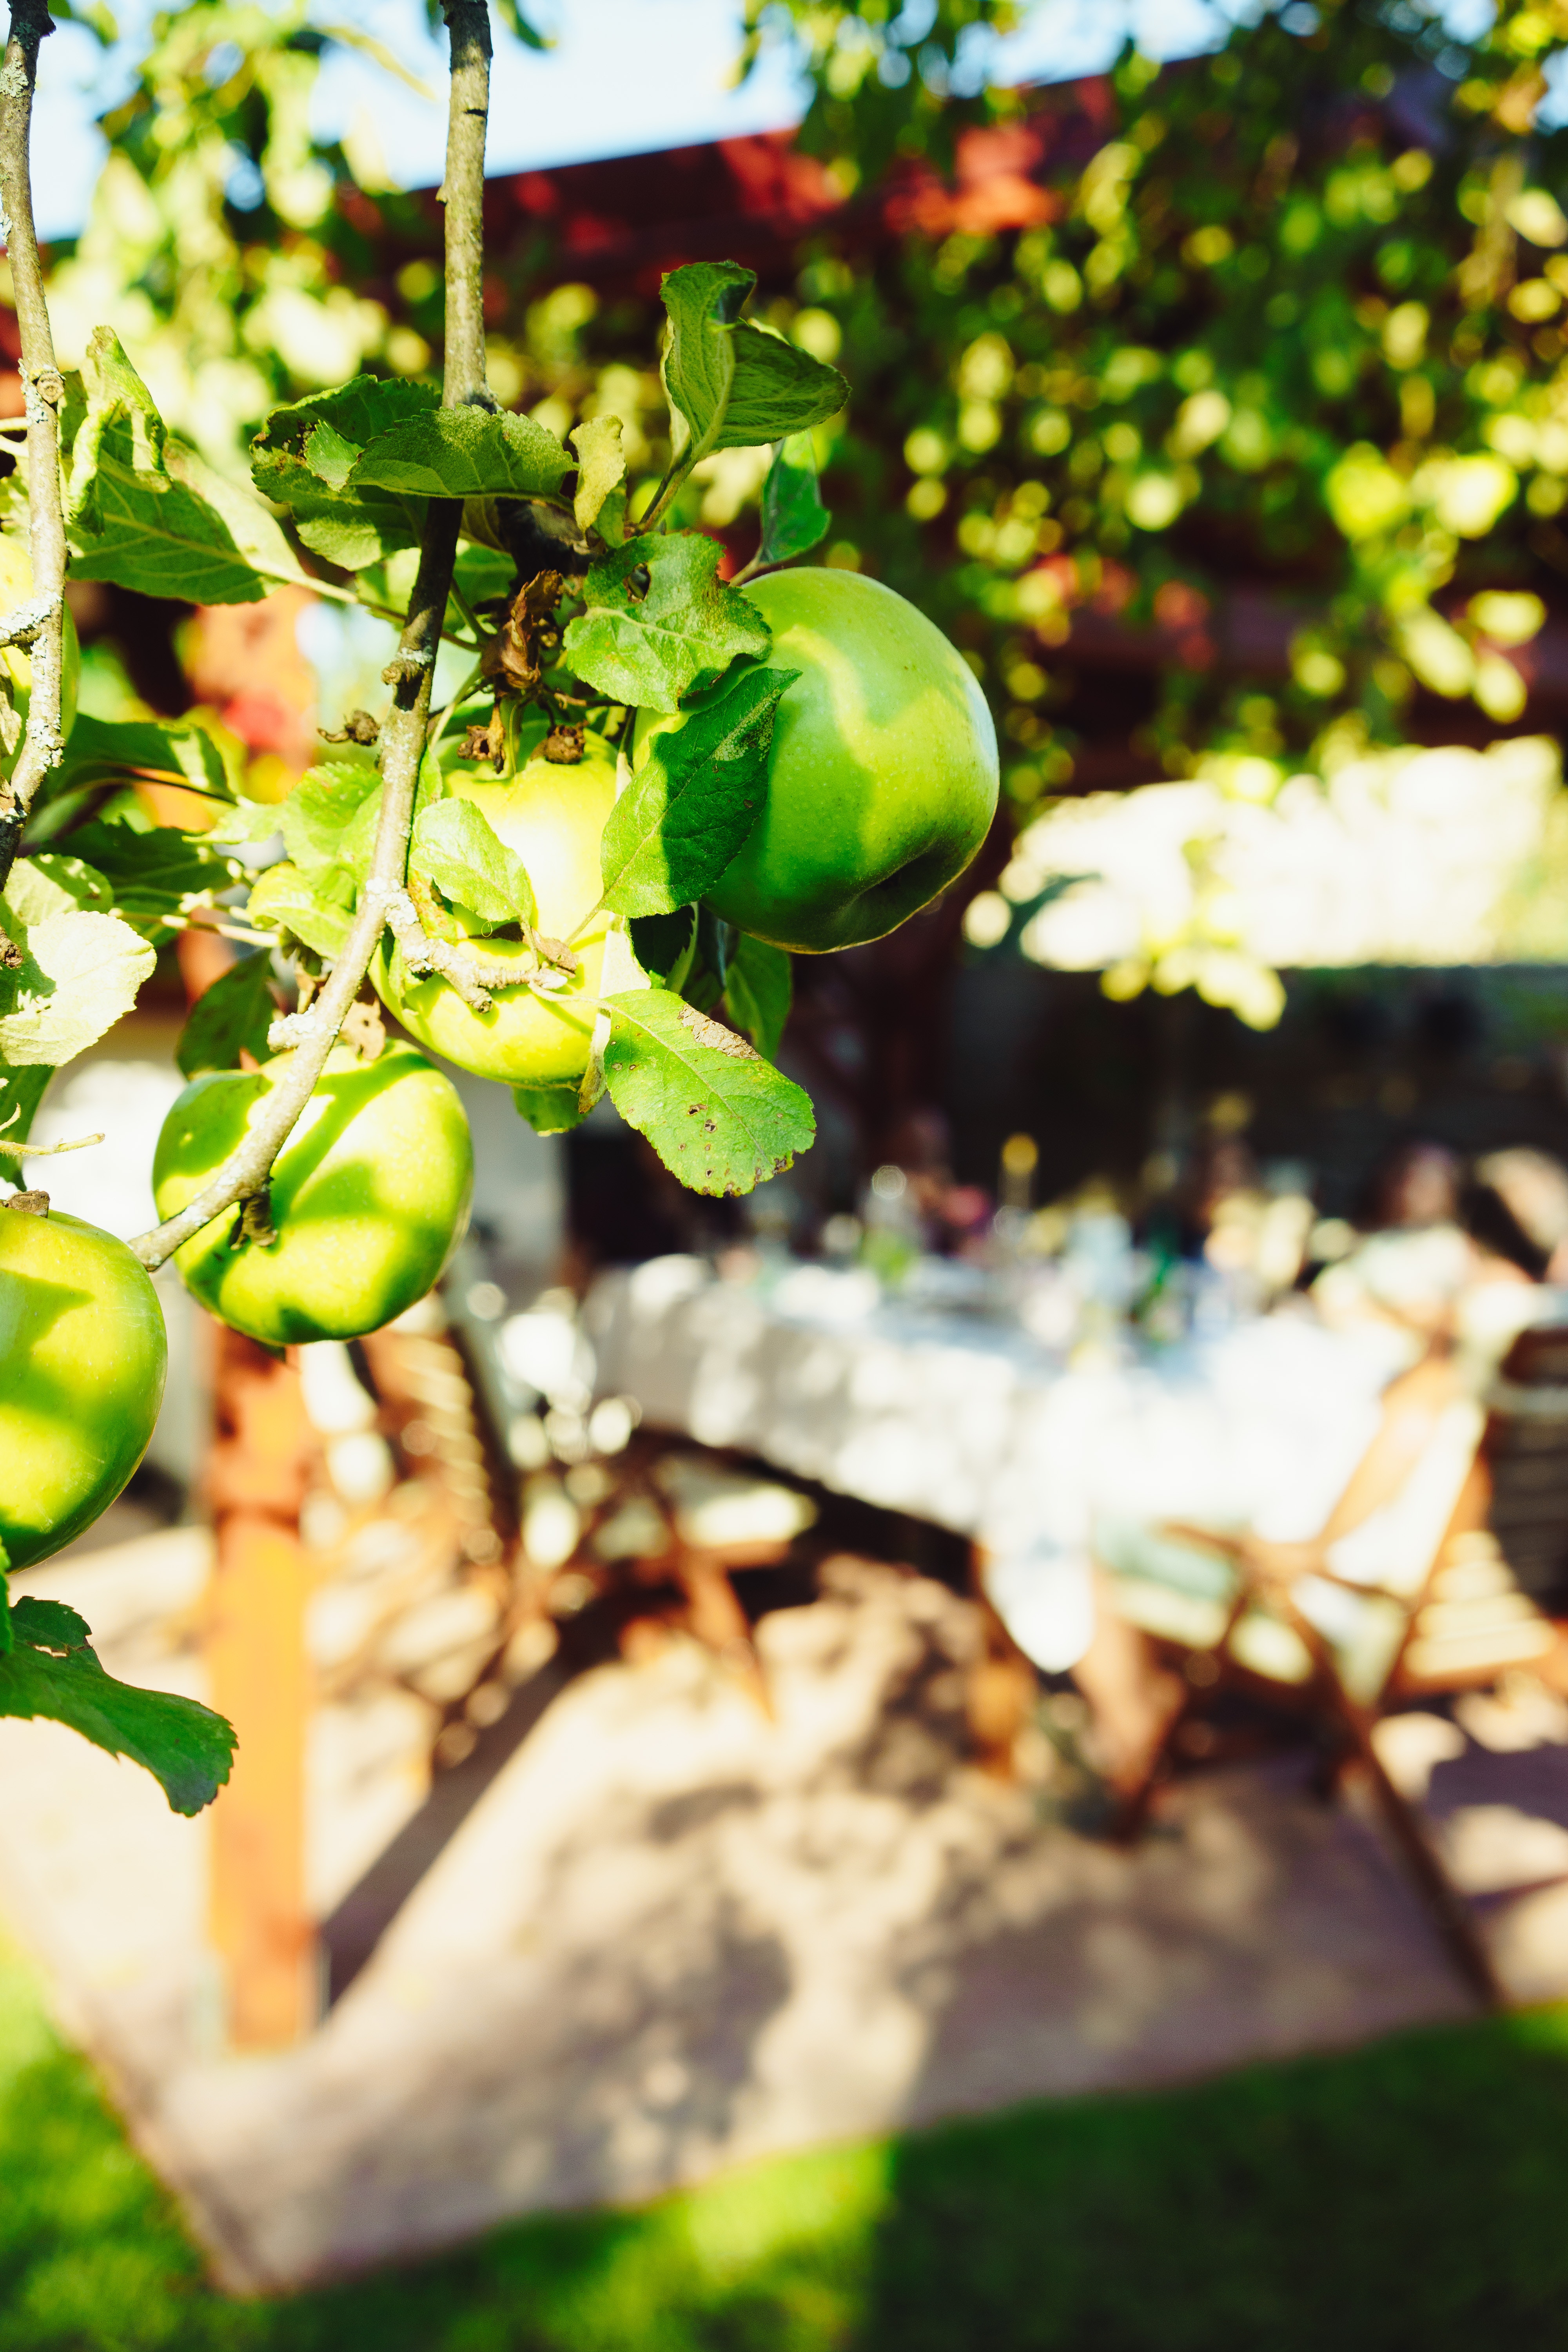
point(259, 1921)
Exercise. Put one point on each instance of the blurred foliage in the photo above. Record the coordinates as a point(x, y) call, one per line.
point(1281, 335)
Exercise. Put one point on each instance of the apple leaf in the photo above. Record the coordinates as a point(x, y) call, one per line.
point(778, 390)
point(758, 989)
point(317, 908)
point(173, 751)
point(703, 299)
point(79, 973)
point(50, 882)
point(464, 453)
point(693, 801)
point(458, 848)
point(321, 806)
point(231, 1016)
point(49, 1669)
point(304, 453)
point(663, 945)
point(732, 382)
point(793, 517)
point(154, 871)
point(601, 498)
point(660, 624)
point(144, 511)
point(720, 1117)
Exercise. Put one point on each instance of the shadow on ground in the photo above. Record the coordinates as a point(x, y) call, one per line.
point(1411, 2193)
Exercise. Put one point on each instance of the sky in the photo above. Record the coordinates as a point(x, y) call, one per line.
point(625, 77)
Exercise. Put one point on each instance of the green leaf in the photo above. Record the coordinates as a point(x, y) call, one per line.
point(316, 908)
point(778, 390)
point(732, 382)
point(304, 453)
point(793, 517)
point(356, 841)
point(720, 1117)
point(665, 944)
point(319, 811)
point(79, 972)
point(49, 883)
point(231, 1016)
point(173, 751)
point(458, 848)
point(703, 301)
point(707, 973)
point(693, 801)
point(602, 472)
point(464, 453)
point(758, 992)
point(154, 870)
point(145, 512)
point(21, 1092)
point(549, 1110)
point(483, 573)
point(652, 646)
point(52, 1671)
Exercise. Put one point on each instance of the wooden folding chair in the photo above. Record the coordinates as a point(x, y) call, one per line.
point(1363, 1614)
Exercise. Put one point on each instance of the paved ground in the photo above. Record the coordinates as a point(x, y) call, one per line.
point(657, 1935)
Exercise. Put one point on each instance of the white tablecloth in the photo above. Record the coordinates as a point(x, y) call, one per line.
point(969, 1423)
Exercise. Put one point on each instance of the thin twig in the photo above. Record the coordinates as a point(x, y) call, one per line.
point(43, 745)
point(48, 1151)
point(410, 674)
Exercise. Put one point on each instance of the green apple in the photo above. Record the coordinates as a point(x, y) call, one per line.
point(16, 587)
point(82, 1358)
point(883, 781)
point(551, 816)
point(369, 1196)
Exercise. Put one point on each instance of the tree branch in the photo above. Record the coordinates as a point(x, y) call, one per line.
point(43, 745)
point(411, 673)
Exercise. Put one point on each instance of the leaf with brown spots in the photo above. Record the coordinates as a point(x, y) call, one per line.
point(719, 1116)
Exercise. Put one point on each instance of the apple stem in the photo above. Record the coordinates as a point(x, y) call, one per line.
point(411, 672)
point(43, 746)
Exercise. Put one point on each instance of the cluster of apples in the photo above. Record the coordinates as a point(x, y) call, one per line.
point(882, 783)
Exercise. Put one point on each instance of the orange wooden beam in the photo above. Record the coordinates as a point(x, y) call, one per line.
point(259, 1918)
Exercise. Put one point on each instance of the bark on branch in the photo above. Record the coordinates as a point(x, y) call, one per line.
point(43, 745)
point(411, 673)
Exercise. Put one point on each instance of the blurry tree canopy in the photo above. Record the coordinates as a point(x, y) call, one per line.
point(1250, 373)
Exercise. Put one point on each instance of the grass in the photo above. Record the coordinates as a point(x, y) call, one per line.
point(1413, 2193)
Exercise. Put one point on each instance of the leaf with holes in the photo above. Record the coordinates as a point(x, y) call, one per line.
point(146, 513)
point(50, 1669)
point(693, 801)
point(660, 624)
point(457, 848)
point(464, 453)
point(793, 517)
point(758, 989)
point(720, 1117)
point(230, 1018)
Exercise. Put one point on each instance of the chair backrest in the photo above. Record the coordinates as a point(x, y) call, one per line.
point(1525, 1457)
point(1394, 1548)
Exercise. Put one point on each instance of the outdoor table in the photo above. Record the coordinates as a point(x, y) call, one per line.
point(967, 1420)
